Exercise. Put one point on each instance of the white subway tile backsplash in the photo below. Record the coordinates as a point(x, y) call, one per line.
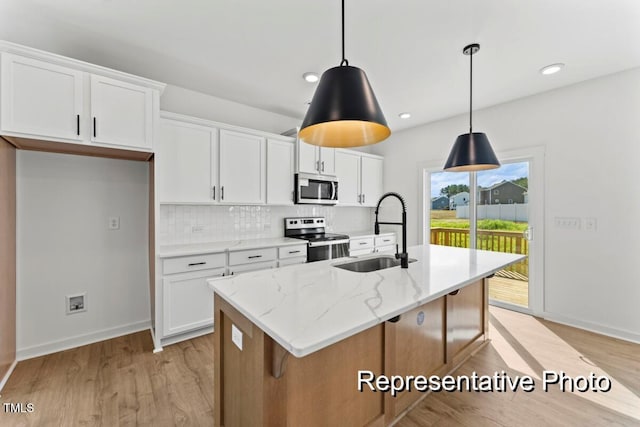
point(217, 223)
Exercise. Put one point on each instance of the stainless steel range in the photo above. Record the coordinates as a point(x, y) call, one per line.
point(321, 245)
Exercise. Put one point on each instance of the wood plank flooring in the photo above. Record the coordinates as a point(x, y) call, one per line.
point(120, 382)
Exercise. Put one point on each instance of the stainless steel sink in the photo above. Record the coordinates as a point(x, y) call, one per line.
point(371, 264)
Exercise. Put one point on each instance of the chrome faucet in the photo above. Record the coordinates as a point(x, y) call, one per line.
point(403, 256)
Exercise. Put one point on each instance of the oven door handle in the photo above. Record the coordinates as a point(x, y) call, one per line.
point(328, 243)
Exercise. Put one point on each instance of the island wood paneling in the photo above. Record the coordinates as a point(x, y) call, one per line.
point(7, 256)
point(415, 345)
point(317, 390)
point(465, 319)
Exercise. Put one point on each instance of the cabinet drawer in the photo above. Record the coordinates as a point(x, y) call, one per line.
point(292, 251)
point(251, 256)
point(385, 240)
point(390, 248)
point(192, 263)
point(237, 269)
point(362, 243)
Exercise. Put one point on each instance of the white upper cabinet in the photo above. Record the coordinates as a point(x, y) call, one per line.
point(280, 170)
point(41, 99)
point(314, 159)
point(242, 168)
point(371, 180)
point(359, 178)
point(187, 163)
point(52, 98)
point(121, 113)
point(348, 172)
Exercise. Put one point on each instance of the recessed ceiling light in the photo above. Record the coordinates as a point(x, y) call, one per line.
point(404, 115)
point(311, 77)
point(551, 69)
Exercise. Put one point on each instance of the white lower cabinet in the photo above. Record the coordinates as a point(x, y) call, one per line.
point(188, 301)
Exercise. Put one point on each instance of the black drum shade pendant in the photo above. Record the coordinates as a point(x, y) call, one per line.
point(471, 151)
point(344, 111)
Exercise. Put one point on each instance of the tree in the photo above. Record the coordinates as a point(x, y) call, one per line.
point(453, 189)
point(522, 182)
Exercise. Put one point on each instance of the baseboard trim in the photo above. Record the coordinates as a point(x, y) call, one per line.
point(187, 336)
point(8, 374)
point(593, 327)
point(80, 340)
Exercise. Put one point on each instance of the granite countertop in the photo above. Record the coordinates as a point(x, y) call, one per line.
point(168, 251)
point(307, 307)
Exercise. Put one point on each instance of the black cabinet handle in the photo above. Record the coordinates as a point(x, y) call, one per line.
point(94, 127)
point(294, 252)
point(454, 292)
point(222, 193)
point(254, 256)
point(386, 240)
point(78, 124)
point(214, 192)
point(196, 263)
point(363, 243)
point(394, 319)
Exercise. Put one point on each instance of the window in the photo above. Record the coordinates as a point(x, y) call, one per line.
point(510, 201)
point(496, 192)
point(496, 201)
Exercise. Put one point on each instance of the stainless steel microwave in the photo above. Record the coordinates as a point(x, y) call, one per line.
point(316, 189)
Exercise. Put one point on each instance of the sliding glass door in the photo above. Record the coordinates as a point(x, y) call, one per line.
point(501, 221)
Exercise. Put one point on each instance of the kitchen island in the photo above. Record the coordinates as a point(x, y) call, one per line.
point(289, 342)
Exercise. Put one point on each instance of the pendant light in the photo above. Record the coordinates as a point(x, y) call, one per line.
point(344, 111)
point(471, 151)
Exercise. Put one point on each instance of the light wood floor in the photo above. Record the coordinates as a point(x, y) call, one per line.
point(120, 382)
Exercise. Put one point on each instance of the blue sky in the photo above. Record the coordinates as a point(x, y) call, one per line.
point(507, 172)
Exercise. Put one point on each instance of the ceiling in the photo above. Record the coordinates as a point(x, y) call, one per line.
point(255, 51)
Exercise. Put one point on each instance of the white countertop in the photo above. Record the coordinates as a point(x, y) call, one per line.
point(169, 251)
point(307, 307)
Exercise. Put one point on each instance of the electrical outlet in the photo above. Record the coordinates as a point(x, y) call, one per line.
point(590, 224)
point(236, 336)
point(76, 303)
point(197, 229)
point(567, 223)
point(114, 223)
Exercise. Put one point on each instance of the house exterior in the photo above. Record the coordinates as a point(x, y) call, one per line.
point(439, 203)
point(460, 199)
point(504, 193)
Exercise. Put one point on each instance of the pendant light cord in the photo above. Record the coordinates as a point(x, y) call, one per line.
point(344, 60)
point(470, 90)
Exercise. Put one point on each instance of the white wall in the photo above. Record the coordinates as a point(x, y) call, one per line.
point(592, 145)
point(184, 101)
point(64, 246)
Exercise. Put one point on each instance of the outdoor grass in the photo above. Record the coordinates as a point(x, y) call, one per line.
point(447, 219)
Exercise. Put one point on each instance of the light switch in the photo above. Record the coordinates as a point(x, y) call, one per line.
point(236, 336)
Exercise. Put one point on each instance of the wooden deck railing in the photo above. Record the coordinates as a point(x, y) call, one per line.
point(499, 241)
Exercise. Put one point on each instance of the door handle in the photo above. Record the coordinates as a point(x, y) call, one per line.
point(222, 193)
point(214, 193)
point(78, 124)
point(528, 234)
point(94, 127)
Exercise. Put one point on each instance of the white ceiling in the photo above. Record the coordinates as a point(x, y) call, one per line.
point(255, 51)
